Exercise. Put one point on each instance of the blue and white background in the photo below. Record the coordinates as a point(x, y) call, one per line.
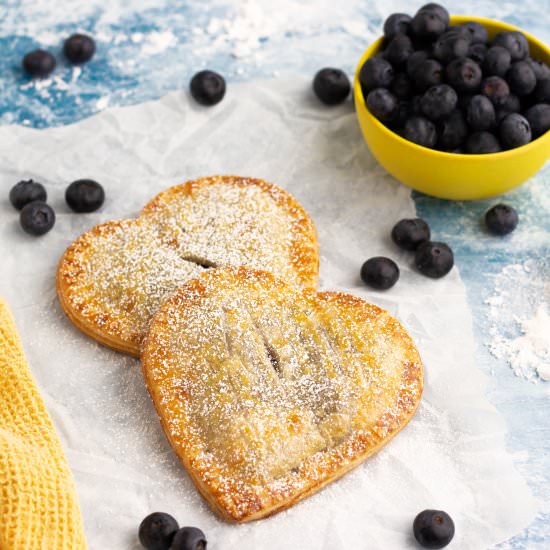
point(151, 47)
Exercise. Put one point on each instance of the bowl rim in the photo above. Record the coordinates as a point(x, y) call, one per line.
point(455, 20)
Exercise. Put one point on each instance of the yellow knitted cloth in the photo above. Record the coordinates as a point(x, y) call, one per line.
point(38, 502)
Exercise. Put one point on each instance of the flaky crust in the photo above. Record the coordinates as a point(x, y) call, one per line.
point(267, 393)
point(113, 277)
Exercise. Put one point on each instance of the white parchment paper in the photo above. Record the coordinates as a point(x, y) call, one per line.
point(452, 455)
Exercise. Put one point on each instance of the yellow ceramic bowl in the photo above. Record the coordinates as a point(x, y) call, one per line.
point(447, 175)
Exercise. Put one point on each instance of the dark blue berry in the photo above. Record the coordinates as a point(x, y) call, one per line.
point(439, 102)
point(434, 259)
point(481, 113)
point(399, 50)
point(482, 143)
point(416, 105)
point(157, 530)
point(427, 25)
point(189, 538)
point(380, 273)
point(433, 529)
point(375, 73)
point(409, 234)
point(421, 131)
point(477, 32)
point(383, 104)
point(542, 91)
point(501, 219)
point(514, 131)
point(464, 75)
point(403, 114)
point(542, 71)
point(452, 132)
point(396, 23)
point(450, 45)
point(84, 195)
point(515, 42)
point(464, 100)
point(79, 48)
point(415, 59)
point(24, 192)
point(538, 117)
point(39, 63)
point(37, 218)
point(331, 86)
point(477, 52)
point(512, 104)
point(521, 78)
point(496, 89)
point(207, 88)
point(439, 10)
point(402, 86)
point(428, 73)
point(498, 61)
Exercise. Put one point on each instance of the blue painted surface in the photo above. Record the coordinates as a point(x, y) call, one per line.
point(154, 46)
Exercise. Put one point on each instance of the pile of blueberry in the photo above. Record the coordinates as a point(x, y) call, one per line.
point(78, 49)
point(37, 217)
point(160, 531)
point(433, 259)
point(450, 88)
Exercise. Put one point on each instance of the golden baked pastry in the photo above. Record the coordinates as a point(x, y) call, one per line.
point(113, 278)
point(267, 392)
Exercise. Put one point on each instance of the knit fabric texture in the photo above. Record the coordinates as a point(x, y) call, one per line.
point(38, 502)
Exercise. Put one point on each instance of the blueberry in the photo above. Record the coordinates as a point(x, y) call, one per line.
point(409, 234)
point(433, 529)
point(477, 52)
point(434, 259)
point(428, 73)
point(501, 219)
point(512, 104)
point(450, 45)
point(415, 59)
point(375, 73)
point(331, 86)
point(157, 531)
point(380, 273)
point(427, 25)
point(400, 119)
point(542, 71)
point(481, 113)
point(207, 88)
point(498, 61)
point(452, 132)
point(539, 119)
point(396, 23)
point(439, 102)
point(189, 538)
point(399, 50)
point(521, 78)
point(542, 91)
point(382, 104)
point(27, 191)
point(416, 105)
point(477, 32)
point(496, 89)
point(439, 10)
point(515, 42)
point(402, 86)
point(514, 131)
point(464, 75)
point(39, 63)
point(79, 48)
point(84, 195)
point(464, 101)
point(482, 143)
point(421, 131)
point(37, 218)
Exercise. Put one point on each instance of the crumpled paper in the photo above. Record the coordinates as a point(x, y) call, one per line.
point(451, 456)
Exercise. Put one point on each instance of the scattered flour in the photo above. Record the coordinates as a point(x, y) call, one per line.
point(157, 42)
point(519, 315)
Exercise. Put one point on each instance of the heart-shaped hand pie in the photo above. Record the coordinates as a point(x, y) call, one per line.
point(267, 392)
point(112, 279)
